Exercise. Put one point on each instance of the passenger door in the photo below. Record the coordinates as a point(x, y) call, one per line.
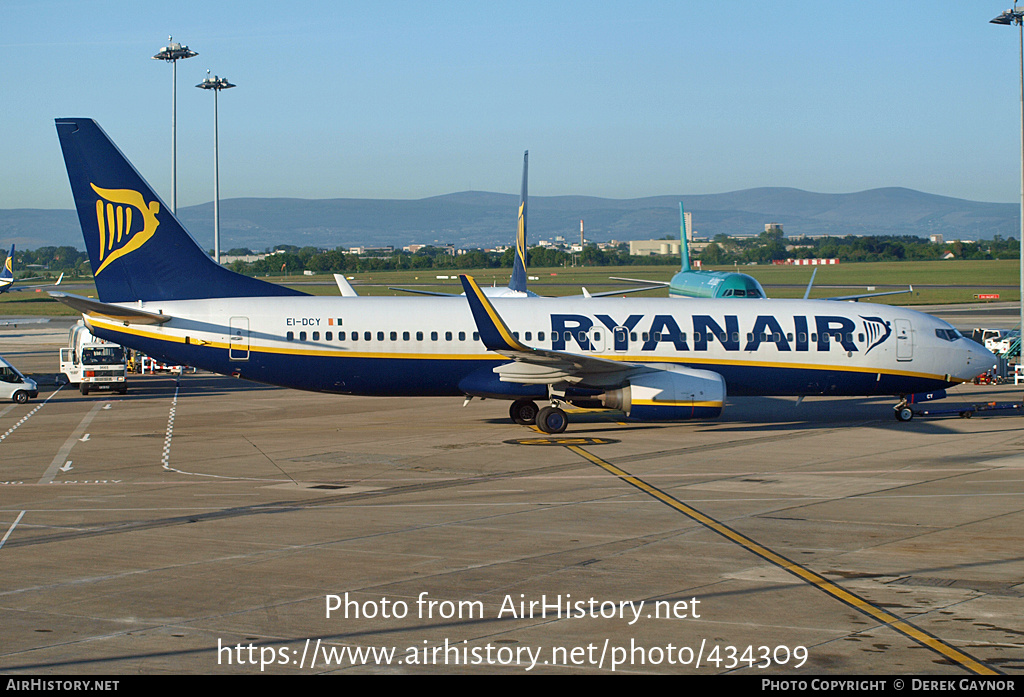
point(904, 340)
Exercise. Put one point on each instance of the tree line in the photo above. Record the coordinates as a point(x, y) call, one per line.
point(763, 249)
point(50, 262)
point(771, 246)
point(290, 260)
point(723, 250)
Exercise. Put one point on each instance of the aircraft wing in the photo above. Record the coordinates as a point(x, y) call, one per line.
point(344, 287)
point(128, 315)
point(535, 365)
point(436, 294)
point(870, 295)
point(489, 291)
point(17, 286)
point(586, 293)
point(807, 293)
point(608, 293)
point(16, 322)
point(658, 284)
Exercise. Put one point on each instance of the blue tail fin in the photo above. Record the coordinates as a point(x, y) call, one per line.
point(684, 245)
point(518, 280)
point(137, 248)
point(7, 273)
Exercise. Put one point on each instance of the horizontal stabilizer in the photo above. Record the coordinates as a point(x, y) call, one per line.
point(128, 315)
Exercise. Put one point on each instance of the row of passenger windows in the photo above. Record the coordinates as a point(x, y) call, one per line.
point(582, 336)
point(369, 336)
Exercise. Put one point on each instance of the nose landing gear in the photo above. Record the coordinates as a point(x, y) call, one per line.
point(903, 412)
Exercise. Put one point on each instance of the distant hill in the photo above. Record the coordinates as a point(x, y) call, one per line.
point(482, 219)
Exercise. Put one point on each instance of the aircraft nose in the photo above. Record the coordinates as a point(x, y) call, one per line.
point(976, 360)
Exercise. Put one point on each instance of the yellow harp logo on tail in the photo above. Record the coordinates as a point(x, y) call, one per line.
point(521, 236)
point(115, 211)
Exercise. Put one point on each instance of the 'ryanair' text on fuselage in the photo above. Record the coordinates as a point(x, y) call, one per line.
point(799, 334)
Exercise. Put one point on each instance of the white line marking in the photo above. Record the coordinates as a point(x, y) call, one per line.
point(26, 417)
point(11, 529)
point(165, 460)
point(61, 458)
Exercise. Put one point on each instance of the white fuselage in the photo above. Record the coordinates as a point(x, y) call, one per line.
point(427, 345)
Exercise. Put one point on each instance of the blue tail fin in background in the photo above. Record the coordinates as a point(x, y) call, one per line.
point(518, 280)
point(137, 248)
point(7, 273)
point(684, 246)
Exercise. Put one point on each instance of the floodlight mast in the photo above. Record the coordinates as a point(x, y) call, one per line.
point(173, 52)
point(1010, 17)
point(216, 84)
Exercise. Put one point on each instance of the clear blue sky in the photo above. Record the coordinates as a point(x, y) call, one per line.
point(404, 99)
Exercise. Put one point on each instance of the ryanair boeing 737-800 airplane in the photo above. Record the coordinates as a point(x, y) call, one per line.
point(7, 276)
point(654, 359)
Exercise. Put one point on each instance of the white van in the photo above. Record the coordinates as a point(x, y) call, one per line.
point(14, 385)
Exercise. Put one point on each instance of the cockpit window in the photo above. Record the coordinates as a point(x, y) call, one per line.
point(948, 334)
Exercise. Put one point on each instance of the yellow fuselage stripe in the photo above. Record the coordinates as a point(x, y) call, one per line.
point(119, 327)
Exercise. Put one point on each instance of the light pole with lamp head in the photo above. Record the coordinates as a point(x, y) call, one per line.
point(1009, 17)
point(216, 84)
point(173, 52)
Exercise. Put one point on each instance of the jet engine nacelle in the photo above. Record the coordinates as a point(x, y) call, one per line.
point(670, 393)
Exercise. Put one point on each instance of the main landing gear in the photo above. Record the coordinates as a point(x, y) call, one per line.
point(549, 419)
point(523, 412)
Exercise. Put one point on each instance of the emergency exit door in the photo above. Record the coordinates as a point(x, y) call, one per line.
point(238, 348)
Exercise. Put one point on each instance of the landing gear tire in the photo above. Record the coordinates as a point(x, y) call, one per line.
point(552, 420)
point(523, 412)
point(904, 413)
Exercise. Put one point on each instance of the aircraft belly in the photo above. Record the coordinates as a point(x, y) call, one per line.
point(789, 381)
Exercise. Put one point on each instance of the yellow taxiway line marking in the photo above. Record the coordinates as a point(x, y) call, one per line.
point(820, 582)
